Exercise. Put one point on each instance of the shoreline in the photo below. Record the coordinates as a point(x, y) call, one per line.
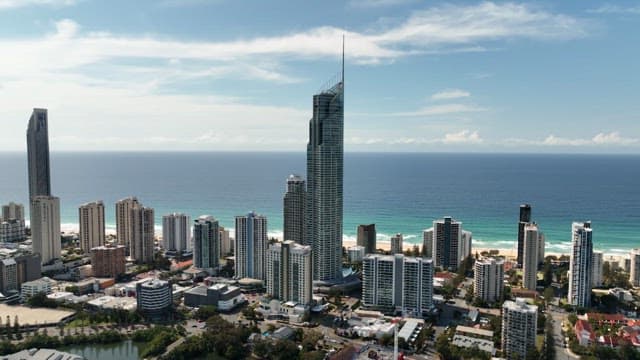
point(348, 241)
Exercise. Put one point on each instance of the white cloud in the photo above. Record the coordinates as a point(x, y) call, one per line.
point(615, 9)
point(62, 70)
point(377, 3)
point(10, 4)
point(463, 137)
point(450, 94)
point(601, 139)
point(612, 138)
point(442, 109)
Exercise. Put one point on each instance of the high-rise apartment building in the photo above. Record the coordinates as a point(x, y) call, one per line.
point(580, 264)
point(397, 283)
point(596, 264)
point(450, 243)
point(18, 269)
point(294, 209)
point(38, 154)
point(519, 325)
point(12, 211)
point(176, 232)
point(206, 243)
point(226, 243)
point(288, 272)
point(142, 236)
point(427, 242)
point(251, 246)
point(12, 230)
point(92, 231)
point(45, 227)
point(325, 163)
point(108, 261)
point(489, 279)
point(396, 244)
point(530, 257)
point(367, 238)
point(123, 221)
point(634, 268)
point(525, 218)
point(12, 227)
point(541, 244)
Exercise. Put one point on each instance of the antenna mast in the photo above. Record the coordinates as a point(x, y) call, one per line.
point(343, 60)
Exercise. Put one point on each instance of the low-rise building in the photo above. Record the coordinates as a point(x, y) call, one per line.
point(224, 297)
point(275, 309)
point(584, 333)
point(469, 337)
point(31, 288)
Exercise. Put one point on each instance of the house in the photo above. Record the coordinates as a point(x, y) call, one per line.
point(606, 319)
point(584, 333)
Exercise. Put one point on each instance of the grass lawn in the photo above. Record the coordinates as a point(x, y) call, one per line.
point(539, 342)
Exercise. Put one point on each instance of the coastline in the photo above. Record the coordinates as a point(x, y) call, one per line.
point(349, 241)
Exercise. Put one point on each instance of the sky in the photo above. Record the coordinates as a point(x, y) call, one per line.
point(425, 76)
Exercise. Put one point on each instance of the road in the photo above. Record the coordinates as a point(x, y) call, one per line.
point(557, 317)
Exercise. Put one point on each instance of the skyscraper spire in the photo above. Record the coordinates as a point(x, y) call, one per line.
point(342, 60)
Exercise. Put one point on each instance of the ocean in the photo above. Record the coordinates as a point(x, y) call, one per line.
point(399, 192)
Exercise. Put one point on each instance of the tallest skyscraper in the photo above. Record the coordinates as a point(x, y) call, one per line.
point(325, 162)
point(38, 154)
point(45, 209)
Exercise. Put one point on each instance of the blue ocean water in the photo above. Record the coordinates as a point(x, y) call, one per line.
point(399, 192)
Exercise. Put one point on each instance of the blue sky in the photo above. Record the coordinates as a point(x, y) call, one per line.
point(545, 76)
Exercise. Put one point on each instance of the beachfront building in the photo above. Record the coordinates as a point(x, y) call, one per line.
point(45, 227)
point(38, 154)
point(450, 244)
point(325, 164)
point(519, 325)
point(288, 272)
point(226, 242)
point(108, 261)
point(251, 246)
point(541, 244)
point(397, 283)
point(294, 209)
point(367, 238)
point(12, 224)
point(580, 264)
point(396, 244)
point(530, 257)
point(488, 279)
point(206, 243)
point(142, 236)
point(123, 220)
point(176, 233)
point(596, 266)
point(92, 231)
point(524, 219)
point(427, 242)
point(634, 268)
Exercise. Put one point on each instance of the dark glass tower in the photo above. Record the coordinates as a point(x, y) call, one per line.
point(525, 218)
point(38, 154)
point(294, 209)
point(367, 238)
point(325, 158)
